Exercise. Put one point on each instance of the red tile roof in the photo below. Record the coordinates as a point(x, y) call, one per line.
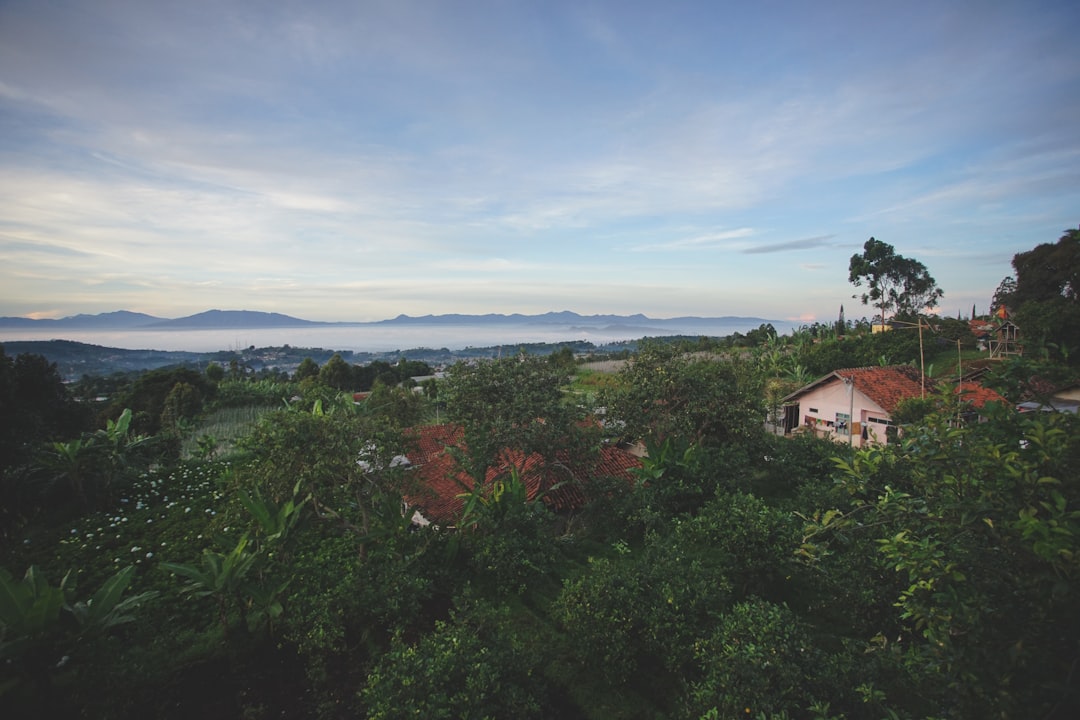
point(886, 385)
point(890, 384)
point(978, 395)
point(442, 482)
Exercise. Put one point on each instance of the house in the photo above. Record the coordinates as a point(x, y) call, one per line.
point(855, 405)
point(436, 496)
point(1068, 393)
point(1064, 399)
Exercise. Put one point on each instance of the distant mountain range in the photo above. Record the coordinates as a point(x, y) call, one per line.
point(251, 320)
point(125, 320)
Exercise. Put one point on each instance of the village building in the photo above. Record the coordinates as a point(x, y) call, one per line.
point(856, 405)
point(436, 496)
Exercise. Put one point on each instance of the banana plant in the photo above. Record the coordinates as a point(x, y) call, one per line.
point(73, 462)
point(263, 604)
point(33, 635)
point(29, 611)
point(93, 464)
point(274, 520)
point(222, 576)
point(108, 607)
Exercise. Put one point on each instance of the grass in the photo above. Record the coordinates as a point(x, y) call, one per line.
point(587, 383)
point(945, 363)
point(225, 426)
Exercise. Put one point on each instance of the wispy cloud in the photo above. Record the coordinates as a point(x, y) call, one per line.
point(803, 244)
point(484, 265)
point(713, 240)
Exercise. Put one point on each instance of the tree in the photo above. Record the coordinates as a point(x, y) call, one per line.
point(893, 282)
point(395, 406)
point(663, 392)
point(1004, 296)
point(146, 397)
point(337, 373)
point(976, 534)
point(348, 463)
point(35, 408)
point(184, 402)
point(1047, 271)
point(215, 373)
point(307, 368)
point(1046, 298)
point(514, 403)
point(467, 667)
point(760, 656)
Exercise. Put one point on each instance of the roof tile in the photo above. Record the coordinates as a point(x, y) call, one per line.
point(885, 385)
point(443, 482)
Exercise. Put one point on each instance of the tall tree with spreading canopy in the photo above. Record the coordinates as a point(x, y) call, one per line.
point(1004, 295)
point(893, 282)
point(1045, 297)
point(1049, 271)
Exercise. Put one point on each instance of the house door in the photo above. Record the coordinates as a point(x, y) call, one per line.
point(791, 418)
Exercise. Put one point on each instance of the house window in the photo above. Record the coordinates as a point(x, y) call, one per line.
point(843, 424)
point(813, 410)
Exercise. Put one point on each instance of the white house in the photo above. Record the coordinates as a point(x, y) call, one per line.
point(854, 404)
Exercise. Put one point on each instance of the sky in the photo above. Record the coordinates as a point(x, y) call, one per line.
point(359, 160)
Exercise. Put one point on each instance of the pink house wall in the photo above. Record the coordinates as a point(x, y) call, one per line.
point(819, 409)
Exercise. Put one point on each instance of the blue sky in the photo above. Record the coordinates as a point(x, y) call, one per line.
point(357, 160)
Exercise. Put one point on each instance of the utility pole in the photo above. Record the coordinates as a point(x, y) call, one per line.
point(922, 361)
point(850, 382)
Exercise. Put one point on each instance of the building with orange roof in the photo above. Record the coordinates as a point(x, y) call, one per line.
point(441, 482)
point(855, 405)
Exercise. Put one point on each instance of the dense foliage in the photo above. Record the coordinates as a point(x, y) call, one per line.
point(1045, 295)
point(737, 574)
